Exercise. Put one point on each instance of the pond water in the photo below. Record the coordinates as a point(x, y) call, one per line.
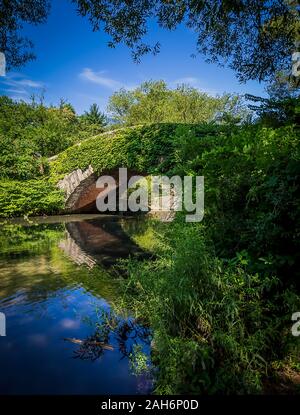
point(57, 284)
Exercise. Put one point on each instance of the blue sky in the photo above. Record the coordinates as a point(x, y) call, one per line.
point(75, 63)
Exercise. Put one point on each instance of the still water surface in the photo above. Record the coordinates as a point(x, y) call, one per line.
point(57, 279)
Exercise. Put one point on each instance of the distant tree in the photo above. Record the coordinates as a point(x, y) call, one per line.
point(188, 105)
point(120, 104)
point(13, 15)
point(255, 37)
point(153, 102)
point(66, 106)
point(150, 103)
point(282, 107)
point(95, 116)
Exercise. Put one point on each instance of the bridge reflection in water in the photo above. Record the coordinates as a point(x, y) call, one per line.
point(99, 241)
point(57, 312)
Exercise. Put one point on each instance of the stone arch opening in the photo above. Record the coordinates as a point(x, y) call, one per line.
point(81, 191)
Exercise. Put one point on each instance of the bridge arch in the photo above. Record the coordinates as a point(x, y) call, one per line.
point(81, 191)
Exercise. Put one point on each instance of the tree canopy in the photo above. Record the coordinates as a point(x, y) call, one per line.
point(32, 132)
point(13, 15)
point(282, 107)
point(153, 102)
point(95, 116)
point(255, 37)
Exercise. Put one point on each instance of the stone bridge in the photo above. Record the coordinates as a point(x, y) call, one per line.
point(145, 149)
point(81, 191)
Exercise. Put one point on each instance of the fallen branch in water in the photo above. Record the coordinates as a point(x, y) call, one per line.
point(89, 343)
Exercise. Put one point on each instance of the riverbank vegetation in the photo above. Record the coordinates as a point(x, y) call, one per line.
point(218, 295)
point(30, 133)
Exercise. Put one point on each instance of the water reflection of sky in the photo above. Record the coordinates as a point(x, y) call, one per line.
point(47, 298)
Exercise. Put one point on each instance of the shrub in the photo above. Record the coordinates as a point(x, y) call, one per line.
point(29, 197)
point(216, 327)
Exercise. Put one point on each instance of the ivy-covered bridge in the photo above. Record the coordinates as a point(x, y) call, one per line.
point(69, 185)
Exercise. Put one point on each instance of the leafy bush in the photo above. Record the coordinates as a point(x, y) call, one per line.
point(221, 295)
point(216, 327)
point(32, 132)
point(29, 197)
point(253, 198)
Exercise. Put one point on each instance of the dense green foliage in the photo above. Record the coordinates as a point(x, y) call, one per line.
point(221, 294)
point(252, 180)
point(29, 197)
point(154, 102)
point(252, 194)
point(146, 149)
point(32, 132)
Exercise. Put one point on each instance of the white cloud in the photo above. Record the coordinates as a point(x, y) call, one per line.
point(98, 78)
point(29, 83)
point(188, 80)
point(16, 83)
point(16, 91)
point(23, 82)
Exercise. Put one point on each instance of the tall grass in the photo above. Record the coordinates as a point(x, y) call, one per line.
point(216, 327)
